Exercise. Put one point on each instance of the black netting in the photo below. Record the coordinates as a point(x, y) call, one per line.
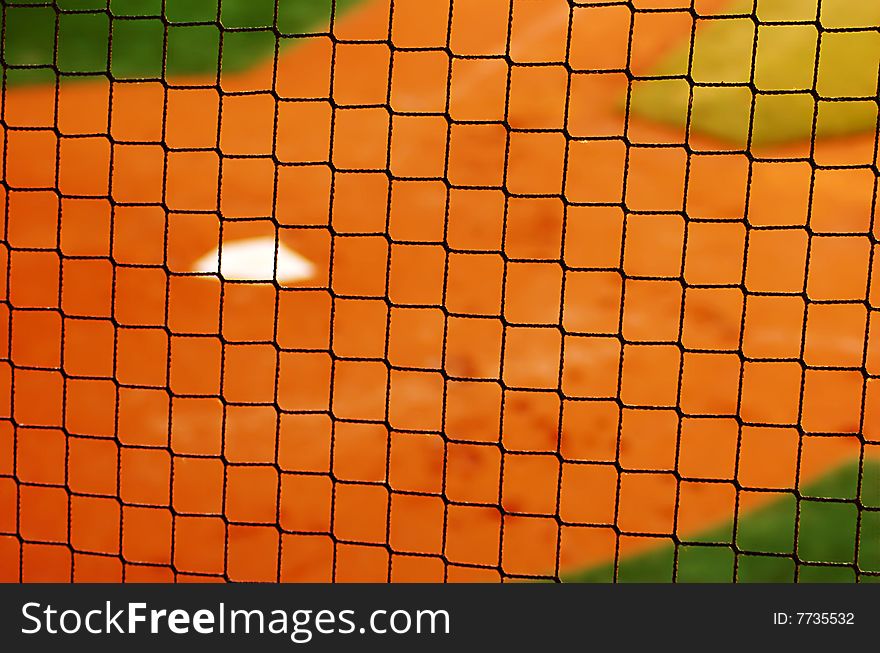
point(440, 290)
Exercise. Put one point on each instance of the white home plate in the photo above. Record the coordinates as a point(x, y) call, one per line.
point(254, 259)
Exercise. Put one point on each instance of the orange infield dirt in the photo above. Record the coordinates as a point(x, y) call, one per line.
point(141, 358)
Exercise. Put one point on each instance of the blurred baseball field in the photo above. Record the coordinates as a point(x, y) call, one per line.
point(594, 295)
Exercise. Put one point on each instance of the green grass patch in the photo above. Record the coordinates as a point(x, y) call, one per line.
point(201, 36)
point(781, 61)
point(826, 540)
